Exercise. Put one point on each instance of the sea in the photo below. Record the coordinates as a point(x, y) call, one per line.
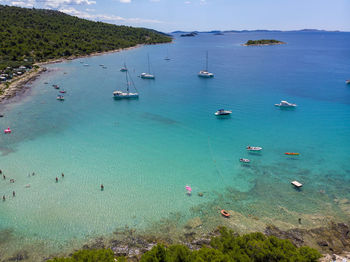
point(146, 151)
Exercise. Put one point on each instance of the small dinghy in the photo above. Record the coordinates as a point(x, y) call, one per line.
point(223, 112)
point(225, 213)
point(291, 154)
point(63, 91)
point(254, 148)
point(60, 98)
point(56, 86)
point(244, 160)
point(7, 131)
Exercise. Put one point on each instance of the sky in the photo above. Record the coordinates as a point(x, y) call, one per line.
point(205, 15)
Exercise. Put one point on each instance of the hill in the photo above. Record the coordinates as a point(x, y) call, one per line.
point(33, 35)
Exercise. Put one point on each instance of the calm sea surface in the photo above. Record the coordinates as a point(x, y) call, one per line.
point(146, 151)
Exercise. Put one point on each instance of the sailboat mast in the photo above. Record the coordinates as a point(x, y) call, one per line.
point(206, 64)
point(127, 81)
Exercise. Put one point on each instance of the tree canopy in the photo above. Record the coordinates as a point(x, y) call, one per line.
point(32, 35)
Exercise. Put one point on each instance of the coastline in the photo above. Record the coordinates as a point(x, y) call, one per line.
point(280, 43)
point(13, 87)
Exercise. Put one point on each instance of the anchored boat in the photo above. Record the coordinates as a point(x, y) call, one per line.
point(118, 94)
point(223, 112)
point(205, 73)
point(285, 104)
point(244, 160)
point(148, 75)
point(254, 148)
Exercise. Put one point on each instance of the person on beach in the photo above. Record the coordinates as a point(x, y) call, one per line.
point(13, 193)
point(56, 179)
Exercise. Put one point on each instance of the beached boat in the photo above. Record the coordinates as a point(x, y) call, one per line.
point(254, 148)
point(118, 94)
point(205, 73)
point(148, 75)
point(244, 160)
point(285, 104)
point(223, 112)
point(60, 98)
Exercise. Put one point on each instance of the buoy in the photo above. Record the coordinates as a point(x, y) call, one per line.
point(225, 213)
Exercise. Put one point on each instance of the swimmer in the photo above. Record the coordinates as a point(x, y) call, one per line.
point(102, 187)
point(62, 175)
point(3, 198)
point(56, 179)
point(13, 193)
point(3, 176)
point(0, 171)
point(12, 180)
point(33, 174)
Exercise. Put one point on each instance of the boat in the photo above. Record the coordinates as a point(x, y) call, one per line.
point(60, 98)
point(167, 56)
point(225, 213)
point(205, 73)
point(189, 190)
point(118, 94)
point(285, 104)
point(62, 91)
point(347, 82)
point(56, 86)
point(244, 160)
point(86, 64)
point(292, 154)
point(148, 75)
point(223, 112)
point(296, 184)
point(124, 68)
point(254, 148)
point(7, 131)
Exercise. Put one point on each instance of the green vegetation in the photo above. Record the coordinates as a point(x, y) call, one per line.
point(32, 35)
point(264, 42)
point(228, 247)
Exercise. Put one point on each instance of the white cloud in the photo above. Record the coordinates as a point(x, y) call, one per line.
point(125, 1)
point(187, 2)
point(58, 3)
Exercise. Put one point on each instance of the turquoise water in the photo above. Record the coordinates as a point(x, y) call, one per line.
point(146, 151)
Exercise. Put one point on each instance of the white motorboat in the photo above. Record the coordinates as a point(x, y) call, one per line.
point(124, 68)
point(205, 73)
point(285, 104)
point(223, 112)
point(254, 148)
point(148, 75)
point(118, 94)
point(244, 160)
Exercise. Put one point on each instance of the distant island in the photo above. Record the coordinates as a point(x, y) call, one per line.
point(263, 42)
point(189, 34)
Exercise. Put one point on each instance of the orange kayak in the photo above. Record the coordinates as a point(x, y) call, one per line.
point(292, 154)
point(225, 213)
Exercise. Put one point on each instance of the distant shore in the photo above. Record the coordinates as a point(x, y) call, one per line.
point(281, 43)
point(11, 88)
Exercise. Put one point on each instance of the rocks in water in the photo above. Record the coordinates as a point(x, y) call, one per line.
point(194, 223)
point(22, 255)
point(200, 194)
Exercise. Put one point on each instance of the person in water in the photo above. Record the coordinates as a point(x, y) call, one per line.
point(62, 175)
point(3, 198)
point(33, 174)
point(0, 171)
point(12, 180)
point(13, 193)
point(56, 179)
point(102, 187)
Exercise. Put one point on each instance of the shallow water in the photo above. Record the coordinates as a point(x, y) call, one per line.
point(145, 151)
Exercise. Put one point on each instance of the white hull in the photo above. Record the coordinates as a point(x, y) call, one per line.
point(147, 76)
point(254, 148)
point(285, 104)
point(121, 95)
point(205, 74)
point(223, 113)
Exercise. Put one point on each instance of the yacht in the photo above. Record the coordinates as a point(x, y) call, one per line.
point(285, 104)
point(223, 112)
point(205, 73)
point(118, 94)
point(147, 75)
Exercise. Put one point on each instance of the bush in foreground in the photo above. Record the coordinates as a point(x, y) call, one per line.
point(227, 247)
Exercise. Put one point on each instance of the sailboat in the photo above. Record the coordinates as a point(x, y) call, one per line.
point(118, 94)
point(148, 75)
point(167, 56)
point(123, 69)
point(205, 73)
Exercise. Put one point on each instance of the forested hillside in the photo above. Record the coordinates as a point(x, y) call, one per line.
point(31, 35)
